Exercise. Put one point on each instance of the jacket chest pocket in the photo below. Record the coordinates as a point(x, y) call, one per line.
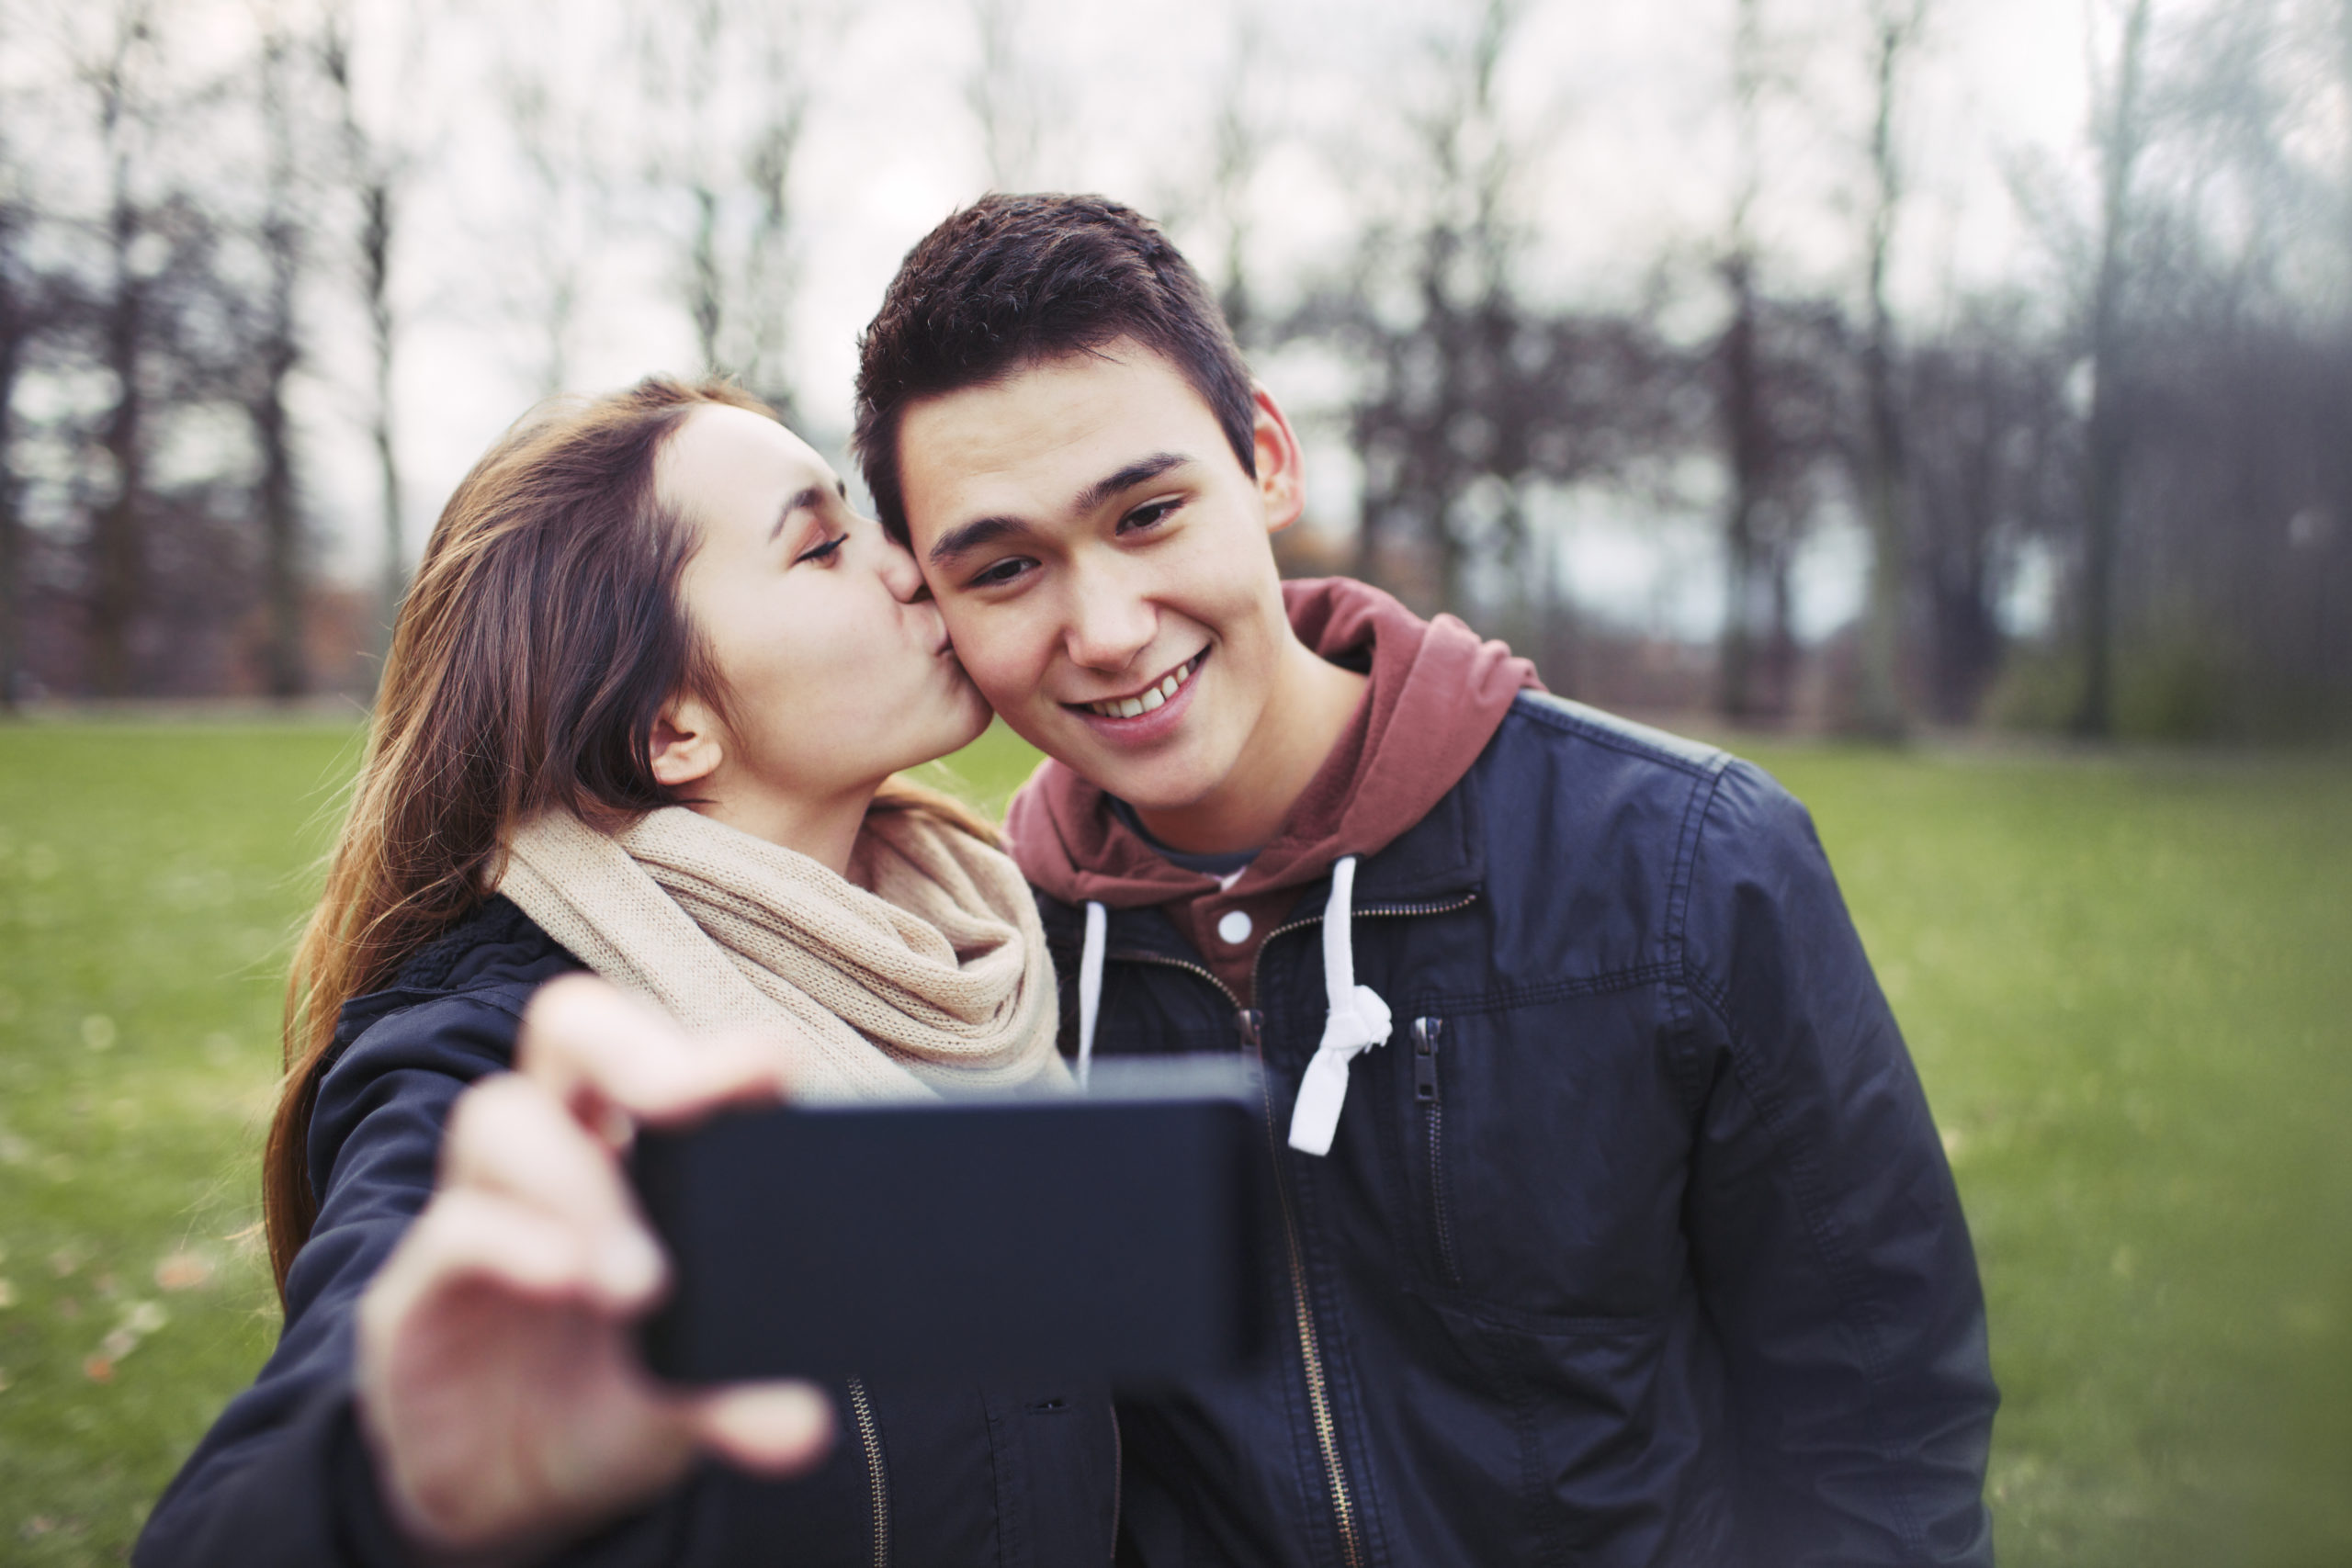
point(1542, 1151)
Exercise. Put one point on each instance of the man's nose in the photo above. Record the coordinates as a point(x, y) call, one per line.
point(1108, 621)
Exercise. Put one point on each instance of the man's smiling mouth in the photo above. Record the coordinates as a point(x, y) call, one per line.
point(1151, 696)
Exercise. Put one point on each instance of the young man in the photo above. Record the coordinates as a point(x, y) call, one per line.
point(1616, 1228)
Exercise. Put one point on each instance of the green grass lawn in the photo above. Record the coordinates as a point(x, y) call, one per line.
point(2125, 982)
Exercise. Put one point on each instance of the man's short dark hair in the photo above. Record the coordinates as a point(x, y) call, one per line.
point(1015, 281)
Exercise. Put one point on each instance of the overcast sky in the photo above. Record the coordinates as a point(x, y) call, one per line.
point(1620, 109)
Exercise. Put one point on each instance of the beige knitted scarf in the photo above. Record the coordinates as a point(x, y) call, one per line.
point(938, 975)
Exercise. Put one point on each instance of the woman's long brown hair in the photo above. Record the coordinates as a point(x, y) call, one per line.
point(531, 659)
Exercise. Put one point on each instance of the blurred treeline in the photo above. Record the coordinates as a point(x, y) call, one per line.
point(2109, 492)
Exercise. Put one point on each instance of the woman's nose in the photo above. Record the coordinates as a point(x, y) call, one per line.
point(899, 572)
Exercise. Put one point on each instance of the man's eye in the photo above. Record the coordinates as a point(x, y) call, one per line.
point(1002, 572)
point(824, 551)
point(1148, 514)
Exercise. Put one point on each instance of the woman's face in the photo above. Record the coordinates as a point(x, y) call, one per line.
point(835, 662)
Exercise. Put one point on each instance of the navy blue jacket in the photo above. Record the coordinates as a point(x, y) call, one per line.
point(1636, 1245)
point(1011, 1477)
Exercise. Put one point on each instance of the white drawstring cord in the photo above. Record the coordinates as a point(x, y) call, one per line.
point(1358, 1020)
point(1090, 988)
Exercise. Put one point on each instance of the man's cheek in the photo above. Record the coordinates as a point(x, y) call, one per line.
point(1007, 686)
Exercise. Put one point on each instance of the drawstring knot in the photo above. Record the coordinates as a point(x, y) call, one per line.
point(1358, 1020)
point(1358, 1017)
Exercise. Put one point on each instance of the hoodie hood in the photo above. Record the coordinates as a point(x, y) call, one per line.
point(1437, 691)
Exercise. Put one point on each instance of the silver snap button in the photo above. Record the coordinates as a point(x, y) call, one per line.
point(1233, 928)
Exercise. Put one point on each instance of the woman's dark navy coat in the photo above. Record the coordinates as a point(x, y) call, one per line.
point(1638, 1245)
point(975, 1477)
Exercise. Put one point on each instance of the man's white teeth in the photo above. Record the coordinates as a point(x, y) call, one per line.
point(1128, 707)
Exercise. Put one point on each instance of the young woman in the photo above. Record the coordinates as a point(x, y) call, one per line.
point(641, 715)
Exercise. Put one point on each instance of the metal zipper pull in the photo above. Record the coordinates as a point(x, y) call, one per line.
point(1425, 1036)
point(1251, 1024)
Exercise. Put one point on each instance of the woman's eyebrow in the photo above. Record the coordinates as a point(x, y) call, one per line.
point(808, 499)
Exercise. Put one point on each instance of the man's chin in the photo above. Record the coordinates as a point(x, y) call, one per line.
point(1157, 785)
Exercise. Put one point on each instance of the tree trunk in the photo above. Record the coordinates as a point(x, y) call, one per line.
point(117, 527)
point(12, 554)
point(16, 328)
point(1738, 393)
point(1880, 708)
point(1744, 434)
point(2104, 449)
point(376, 276)
point(279, 351)
point(707, 300)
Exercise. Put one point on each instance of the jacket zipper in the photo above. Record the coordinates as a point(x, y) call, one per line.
point(1318, 1392)
point(1426, 1034)
point(869, 1432)
point(1310, 1349)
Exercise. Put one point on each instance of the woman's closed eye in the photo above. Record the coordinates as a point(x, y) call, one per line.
point(821, 552)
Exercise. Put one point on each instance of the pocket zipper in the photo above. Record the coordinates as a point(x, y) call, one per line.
point(1426, 1034)
point(870, 1433)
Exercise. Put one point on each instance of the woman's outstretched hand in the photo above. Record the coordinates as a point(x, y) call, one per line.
point(499, 1387)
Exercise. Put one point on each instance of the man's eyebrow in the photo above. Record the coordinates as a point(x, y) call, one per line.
point(808, 499)
point(971, 536)
point(1134, 474)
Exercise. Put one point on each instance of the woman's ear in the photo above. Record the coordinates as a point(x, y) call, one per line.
point(687, 749)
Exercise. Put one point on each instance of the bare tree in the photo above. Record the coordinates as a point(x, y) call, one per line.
point(1896, 27)
point(1470, 395)
point(548, 139)
point(275, 352)
point(1740, 393)
point(1002, 95)
point(2344, 90)
point(376, 166)
point(1429, 427)
point(1239, 149)
point(2121, 136)
point(117, 75)
point(21, 311)
point(735, 86)
point(1993, 456)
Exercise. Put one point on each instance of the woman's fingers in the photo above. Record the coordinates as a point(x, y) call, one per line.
point(507, 1136)
point(771, 1429)
point(471, 1237)
point(598, 1049)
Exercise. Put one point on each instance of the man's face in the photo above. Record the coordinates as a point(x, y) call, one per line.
point(1103, 561)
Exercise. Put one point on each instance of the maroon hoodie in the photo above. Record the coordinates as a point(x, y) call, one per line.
point(1437, 693)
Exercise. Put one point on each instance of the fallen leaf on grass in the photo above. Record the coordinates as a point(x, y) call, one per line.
point(68, 1308)
point(139, 1320)
point(184, 1270)
point(7, 1294)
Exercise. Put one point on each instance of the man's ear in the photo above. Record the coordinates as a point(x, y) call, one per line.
point(687, 748)
point(1281, 468)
